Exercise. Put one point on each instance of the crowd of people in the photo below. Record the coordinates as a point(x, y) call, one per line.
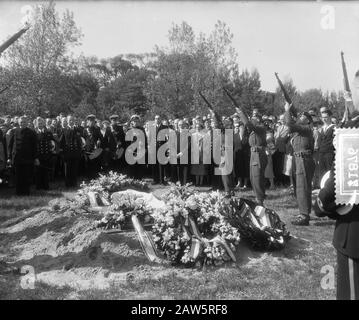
point(36, 151)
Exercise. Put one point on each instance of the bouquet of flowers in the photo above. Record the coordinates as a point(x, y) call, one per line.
point(106, 184)
point(261, 226)
point(194, 218)
point(119, 214)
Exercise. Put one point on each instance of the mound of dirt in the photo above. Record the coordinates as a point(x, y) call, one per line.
point(65, 248)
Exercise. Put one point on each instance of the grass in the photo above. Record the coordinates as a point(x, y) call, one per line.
point(292, 273)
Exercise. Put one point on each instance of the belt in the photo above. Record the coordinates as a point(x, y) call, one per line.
point(303, 154)
point(257, 148)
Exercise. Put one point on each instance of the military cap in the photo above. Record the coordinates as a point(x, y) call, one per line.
point(114, 116)
point(91, 117)
point(135, 116)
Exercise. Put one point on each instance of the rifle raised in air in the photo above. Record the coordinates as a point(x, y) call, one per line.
point(345, 74)
point(285, 93)
point(218, 119)
point(10, 41)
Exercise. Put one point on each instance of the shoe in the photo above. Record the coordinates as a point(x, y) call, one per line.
point(300, 221)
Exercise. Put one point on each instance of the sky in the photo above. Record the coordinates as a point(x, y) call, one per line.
point(301, 40)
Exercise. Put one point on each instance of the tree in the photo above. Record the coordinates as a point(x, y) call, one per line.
point(191, 64)
point(40, 71)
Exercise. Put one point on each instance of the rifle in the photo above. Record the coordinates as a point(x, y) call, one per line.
point(285, 93)
point(218, 119)
point(345, 74)
point(10, 41)
point(230, 97)
point(346, 88)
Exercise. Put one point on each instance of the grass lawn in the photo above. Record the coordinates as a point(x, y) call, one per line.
point(292, 273)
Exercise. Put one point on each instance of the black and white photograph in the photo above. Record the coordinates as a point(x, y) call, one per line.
point(197, 152)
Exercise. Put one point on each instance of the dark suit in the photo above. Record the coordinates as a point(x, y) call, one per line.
point(326, 149)
point(158, 170)
point(44, 154)
point(71, 144)
point(345, 241)
point(22, 152)
point(93, 141)
point(108, 144)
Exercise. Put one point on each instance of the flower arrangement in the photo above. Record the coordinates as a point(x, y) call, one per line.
point(118, 215)
point(106, 184)
point(241, 214)
point(190, 213)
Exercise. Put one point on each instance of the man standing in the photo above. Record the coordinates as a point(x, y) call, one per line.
point(258, 159)
point(45, 149)
point(71, 145)
point(303, 163)
point(158, 170)
point(22, 151)
point(93, 141)
point(119, 135)
point(281, 136)
point(326, 147)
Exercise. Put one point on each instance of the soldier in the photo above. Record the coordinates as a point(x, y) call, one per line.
point(303, 163)
point(258, 159)
point(326, 148)
point(45, 149)
point(71, 146)
point(22, 151)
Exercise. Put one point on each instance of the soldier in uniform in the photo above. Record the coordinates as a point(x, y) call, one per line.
point(303, 163)
point(258, 158)
point(45, 149)
point(71, 146)
point(22, 151)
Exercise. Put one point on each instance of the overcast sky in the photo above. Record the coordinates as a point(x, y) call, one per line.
point(292, 38)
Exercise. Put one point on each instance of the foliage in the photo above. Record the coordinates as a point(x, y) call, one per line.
point(191, 64)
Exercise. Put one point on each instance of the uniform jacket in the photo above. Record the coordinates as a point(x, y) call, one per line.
point(70, 143)
point(302, 138)
point(44, 146)
point(22, 148)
